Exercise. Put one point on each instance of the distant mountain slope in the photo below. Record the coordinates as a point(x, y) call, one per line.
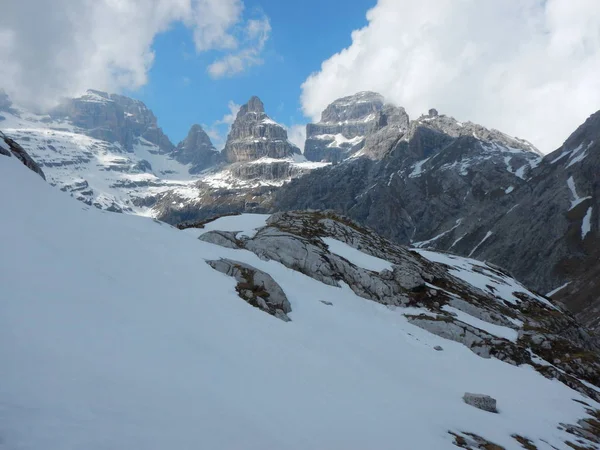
point(96, 148)
point(548, 233)
point(115, 332)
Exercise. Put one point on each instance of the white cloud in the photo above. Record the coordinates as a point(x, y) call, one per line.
point(50, 49)
point(527, 67)
point(256, 35)
point(297, 135)
point(219, 130)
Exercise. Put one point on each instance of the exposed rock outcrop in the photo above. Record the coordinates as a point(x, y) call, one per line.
point(8, 147)
point(254, 135)
point(346, 123)
point(113, 118)
point(256, 287)
point(481, 401)
point(197, 150)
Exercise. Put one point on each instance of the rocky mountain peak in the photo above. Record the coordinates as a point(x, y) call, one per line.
point(586, 133)
point(113, 118)
point(255, 104)
point(254, 135)
point(454, 128)
point(354, 107)
point(196, 149)
point(347, 122)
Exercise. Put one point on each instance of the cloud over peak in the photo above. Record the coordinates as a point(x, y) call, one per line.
point(526, 67)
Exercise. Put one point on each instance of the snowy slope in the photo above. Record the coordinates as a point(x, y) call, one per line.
point(114, 333)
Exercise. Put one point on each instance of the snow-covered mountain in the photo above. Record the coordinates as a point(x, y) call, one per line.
point(432, 182)
point(108, 151)
point(99, 150)
point(259, 159)
point(123, 332)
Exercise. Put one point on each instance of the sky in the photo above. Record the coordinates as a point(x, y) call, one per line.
point(530, 68)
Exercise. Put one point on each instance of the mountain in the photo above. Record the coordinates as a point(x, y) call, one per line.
point(432, 182)
point(408, 182)
point(106, 150)
point(257, 159)
point(254, 135)
point(113, 118)
point(547, 234)
point(346, 123)
point(8, 147)
point(120, 331)
point(197, 150)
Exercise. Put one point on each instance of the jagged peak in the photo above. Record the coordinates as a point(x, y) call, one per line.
point(93, 95)
point(254, 105)
point(455, 128)
point(362, 106)
point(196, 128)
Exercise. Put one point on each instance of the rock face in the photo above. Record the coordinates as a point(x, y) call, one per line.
point(414, 184)
point(481, 401)
point(254, 135)
point(256, 287)
point(547, 232)
point(473, 303)
point(196, 150)
point(113, 118)
point(258, 160)
point(9, 147)
point(346, 123)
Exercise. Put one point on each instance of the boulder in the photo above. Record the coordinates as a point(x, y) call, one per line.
point(481, 401)
point(256, 287)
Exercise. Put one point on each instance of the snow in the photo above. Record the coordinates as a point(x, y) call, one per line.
point(558, 289)
point(512, 209)
point(418, 168)
point(92, 97)
point(509, 189)
point(482, 276)
point(495, 330)
point(586, 224)
point(576, 198)
point(243, 224)
point(357, 257)
point(520, 172)
point(485, 238)
point(114, 333)
point(268, 121)
point(435, 238)
point(296, 160)
point(578, 154)
point(67, 155)
point(339, 140)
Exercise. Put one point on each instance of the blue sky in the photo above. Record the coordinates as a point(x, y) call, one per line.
point(181, 92)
